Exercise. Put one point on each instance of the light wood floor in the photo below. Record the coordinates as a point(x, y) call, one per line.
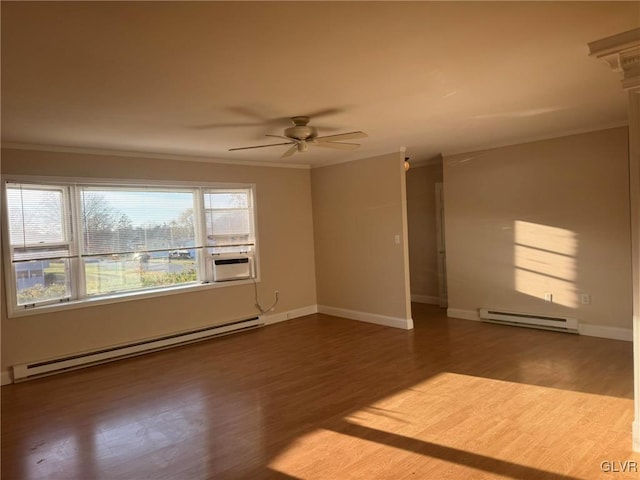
point(326, 398)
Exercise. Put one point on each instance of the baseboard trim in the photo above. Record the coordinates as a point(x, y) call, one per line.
point(396, 322)
point(289, 315)
point(5, 378)
point(463, 314)
point(429, 299)
point(602, 331)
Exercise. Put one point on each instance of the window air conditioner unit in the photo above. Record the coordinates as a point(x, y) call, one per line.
point(232, 267)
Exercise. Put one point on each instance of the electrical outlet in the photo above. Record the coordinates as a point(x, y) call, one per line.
point(548, 297)
point(585, 299)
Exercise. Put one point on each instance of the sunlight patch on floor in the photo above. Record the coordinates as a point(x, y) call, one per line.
point(459, 426)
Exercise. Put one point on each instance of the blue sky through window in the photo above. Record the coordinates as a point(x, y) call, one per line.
point(146, 207)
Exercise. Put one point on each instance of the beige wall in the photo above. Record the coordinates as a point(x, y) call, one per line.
point(548, 216)
point(421, 214)
point(358, 208)
point(285, 226)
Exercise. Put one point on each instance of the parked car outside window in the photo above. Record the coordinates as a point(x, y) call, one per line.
point(180, 254)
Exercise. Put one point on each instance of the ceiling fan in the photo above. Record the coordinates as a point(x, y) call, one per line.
point(301, 135)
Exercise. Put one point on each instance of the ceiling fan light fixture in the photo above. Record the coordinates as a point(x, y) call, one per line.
point(300, 135)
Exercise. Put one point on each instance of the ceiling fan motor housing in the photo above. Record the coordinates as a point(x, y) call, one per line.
point(301, 132)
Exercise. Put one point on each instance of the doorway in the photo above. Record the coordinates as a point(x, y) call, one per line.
point(441, 246)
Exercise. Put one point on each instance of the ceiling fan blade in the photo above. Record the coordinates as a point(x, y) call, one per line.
point(337, 145)
point(341, 136)
point(257, 113)
point(277, 136)
point(209, 126)
point(290, 151)
point(324, 112)
point(262, 146)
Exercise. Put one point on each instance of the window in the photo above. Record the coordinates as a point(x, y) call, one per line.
point(41, 242)
point(75, 242)
point(128, 235)
point(229, 220)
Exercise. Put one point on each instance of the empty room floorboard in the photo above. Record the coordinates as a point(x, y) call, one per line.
point(322, 397)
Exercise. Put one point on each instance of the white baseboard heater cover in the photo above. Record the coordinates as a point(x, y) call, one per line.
point(545, 322)
point(28, 371)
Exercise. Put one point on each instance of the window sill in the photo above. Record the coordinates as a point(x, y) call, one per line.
point(124, 297)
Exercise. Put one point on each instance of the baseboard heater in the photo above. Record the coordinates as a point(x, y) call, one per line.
point(28, 371)
point(545, 322)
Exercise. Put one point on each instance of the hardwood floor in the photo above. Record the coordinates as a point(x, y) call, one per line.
point(327, 398)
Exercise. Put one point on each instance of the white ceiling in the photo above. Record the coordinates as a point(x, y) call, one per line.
point(198, 78)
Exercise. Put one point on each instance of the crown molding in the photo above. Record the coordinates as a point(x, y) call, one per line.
point(148, 155)
point(541, 138)
point(622, 53)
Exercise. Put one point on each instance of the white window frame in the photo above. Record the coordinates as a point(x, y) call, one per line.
point(68, 241)
point(79, 298)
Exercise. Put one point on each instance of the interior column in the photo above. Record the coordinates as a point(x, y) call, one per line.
point(622, 53)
